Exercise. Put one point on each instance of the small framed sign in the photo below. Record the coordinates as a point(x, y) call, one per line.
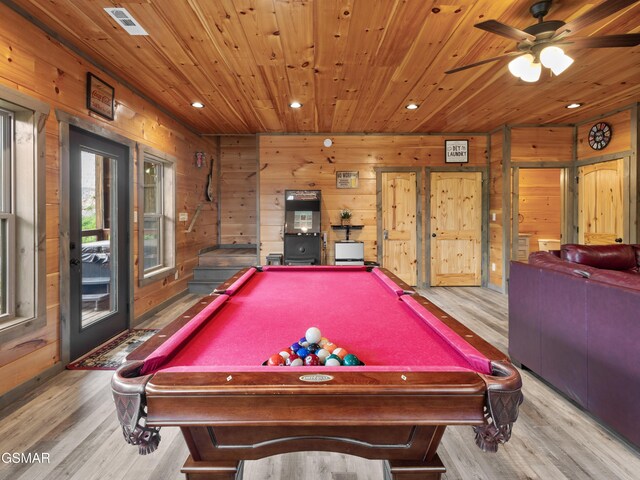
point(100, 96)
point(347, 179)
point(456, 151)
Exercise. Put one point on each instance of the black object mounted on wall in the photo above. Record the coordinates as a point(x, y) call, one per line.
point(302, 227)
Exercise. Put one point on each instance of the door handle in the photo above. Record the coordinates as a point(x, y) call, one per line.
point(618, 240)
point(74, 261)
point(433, 235)
point(385, 234)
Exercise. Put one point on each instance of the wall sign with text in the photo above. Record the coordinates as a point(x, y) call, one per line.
point(456, 151)
point(347, 179)
point(100, 96)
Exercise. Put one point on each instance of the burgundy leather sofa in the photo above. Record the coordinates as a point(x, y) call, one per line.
point(574, 319)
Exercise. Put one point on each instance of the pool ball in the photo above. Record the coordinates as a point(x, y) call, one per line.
point(313, 347)
point(311, 360)
point(294, 361)
point(351, 360)
point(302, 352)
point(340, 352)
point(313, 335)
point(275, 360)
point(294, 347)
point(303, 342)
point(285, 353)
point(332, 361)
point(322, 355)
point(330, 347)
point(323, 341)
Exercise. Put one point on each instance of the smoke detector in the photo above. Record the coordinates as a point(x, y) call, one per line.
point(126, 21)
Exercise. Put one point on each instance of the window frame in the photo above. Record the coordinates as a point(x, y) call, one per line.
point(167, 225)
point(7, 213)
point(27, 296)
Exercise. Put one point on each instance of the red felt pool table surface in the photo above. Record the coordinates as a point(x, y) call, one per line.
point(359, 310)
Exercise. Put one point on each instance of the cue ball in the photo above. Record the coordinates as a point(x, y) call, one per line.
point(313, 335)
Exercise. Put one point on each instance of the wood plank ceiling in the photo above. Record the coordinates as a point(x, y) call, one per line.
point(353, 64)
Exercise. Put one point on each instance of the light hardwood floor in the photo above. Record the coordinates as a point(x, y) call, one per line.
point(72, 418)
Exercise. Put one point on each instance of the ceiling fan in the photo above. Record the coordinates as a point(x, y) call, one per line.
point(540, 43)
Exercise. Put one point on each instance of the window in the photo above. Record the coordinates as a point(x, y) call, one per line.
point(153, 216)
point(157, 205)
point(22, 214)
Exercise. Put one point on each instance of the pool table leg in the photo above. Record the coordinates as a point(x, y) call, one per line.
point(410, 470)
point(212, 470)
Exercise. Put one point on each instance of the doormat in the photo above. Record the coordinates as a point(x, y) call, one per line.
point(111, 355)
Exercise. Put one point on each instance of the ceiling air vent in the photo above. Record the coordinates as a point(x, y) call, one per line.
point(126, 21)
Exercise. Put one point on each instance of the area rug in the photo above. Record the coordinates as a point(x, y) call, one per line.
point(110, 355)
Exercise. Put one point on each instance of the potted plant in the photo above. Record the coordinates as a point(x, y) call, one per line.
point(345, 216)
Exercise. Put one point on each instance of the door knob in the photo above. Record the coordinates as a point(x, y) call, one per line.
point(433, 235)
point(618, 240)
point(74, 261)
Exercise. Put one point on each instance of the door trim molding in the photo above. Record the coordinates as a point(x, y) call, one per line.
point(419, 195)
point(65, 121)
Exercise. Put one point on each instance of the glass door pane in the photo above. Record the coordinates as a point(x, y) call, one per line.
point(98, 238)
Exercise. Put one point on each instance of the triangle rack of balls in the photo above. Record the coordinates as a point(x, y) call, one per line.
point(314, 350)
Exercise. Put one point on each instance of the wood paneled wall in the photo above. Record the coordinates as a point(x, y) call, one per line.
point(302, 162)
point(539, 205)
point(620, 140)
point(541, 144)
point(496, 224)
point(238, 183)
point(38, 66)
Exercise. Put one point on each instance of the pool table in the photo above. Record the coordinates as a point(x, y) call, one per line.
point(422, 371)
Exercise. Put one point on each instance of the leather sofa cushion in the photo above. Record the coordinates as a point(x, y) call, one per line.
point(610, 257)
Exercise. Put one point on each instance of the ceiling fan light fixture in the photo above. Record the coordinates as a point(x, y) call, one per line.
point(555, 59)
point(520, 65)
point(532, 73)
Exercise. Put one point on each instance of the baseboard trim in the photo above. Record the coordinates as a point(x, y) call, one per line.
point(22, 391)
point(150, 313)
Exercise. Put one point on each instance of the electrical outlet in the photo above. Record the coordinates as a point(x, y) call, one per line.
point(177, 274)
point(493, 216)
point(183, 217)
point(135, 216)
point(493, 267)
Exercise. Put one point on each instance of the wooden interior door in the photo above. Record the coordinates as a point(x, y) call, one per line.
point(399, 238)
point(600, 203)
point(456, 228)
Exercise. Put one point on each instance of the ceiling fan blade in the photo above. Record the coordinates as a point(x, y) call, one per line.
point(607, 41)
point(507, 31)
point(482, 62)
point(606, 8)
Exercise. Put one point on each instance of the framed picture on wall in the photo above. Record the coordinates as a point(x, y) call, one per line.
point(100, 96)
point(456, 151)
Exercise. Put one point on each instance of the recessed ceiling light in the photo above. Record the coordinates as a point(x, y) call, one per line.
point(295, 104)
point(197, 105)
point(573, 105)
point(411, 106)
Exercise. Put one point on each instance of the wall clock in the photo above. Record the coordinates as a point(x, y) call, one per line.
point(599, 135)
